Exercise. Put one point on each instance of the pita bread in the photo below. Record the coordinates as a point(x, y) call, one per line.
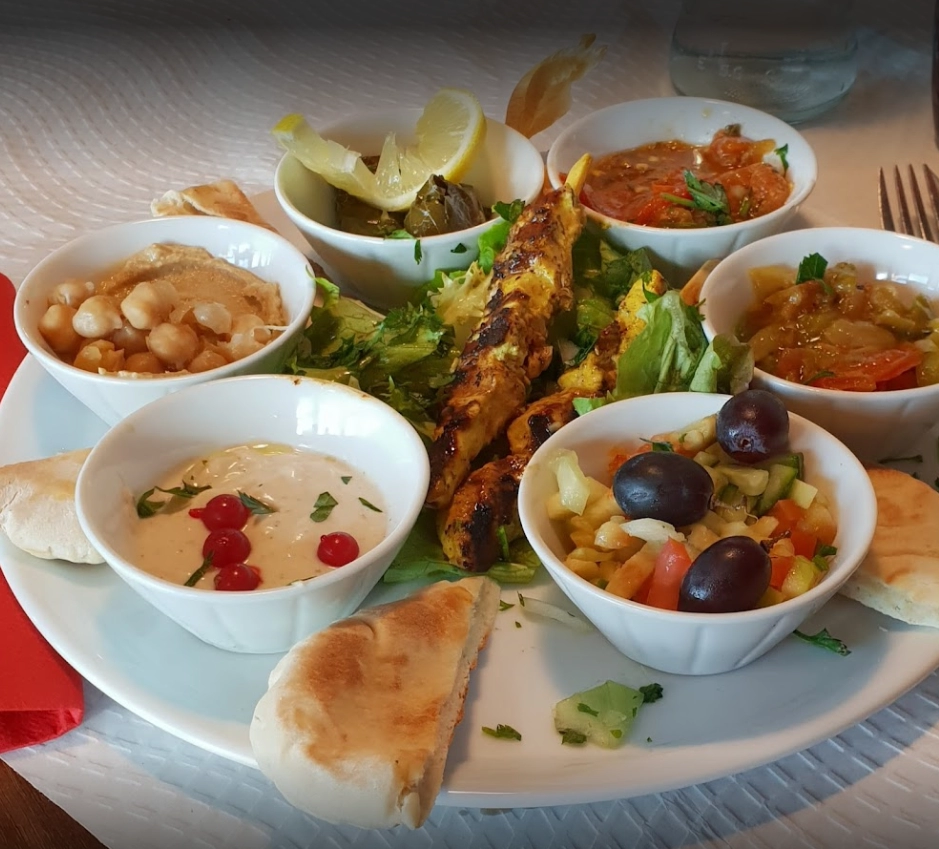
point(900, 575)
point(357, 720)
point(37, 508)
point(222, 199)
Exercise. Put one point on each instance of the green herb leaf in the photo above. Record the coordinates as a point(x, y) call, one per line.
point(819, 375)
point(509, 211)
point(662, 447)
point(418, 252)
point(323, 507)
point(365, 503)
point(826, 551)
point(399, 234)
point(502, 732)
point(346, 478)
point(146, 507)
point(709, 197)
point(503, 539)
point(569, 737)
point(583, 708)
point(651, 693)
point(782, 152)
point(820, 562)
point(505, 605)
point(824, 640)
point(196, 576)
point(518, 624)
point(258, 508)
point(812, 267)
point(459, 248)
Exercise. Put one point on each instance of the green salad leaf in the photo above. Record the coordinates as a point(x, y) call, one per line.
point(602, 715)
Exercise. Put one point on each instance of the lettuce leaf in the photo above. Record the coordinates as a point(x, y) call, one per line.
point(726, 367)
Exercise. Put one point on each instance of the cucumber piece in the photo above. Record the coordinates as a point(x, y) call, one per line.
point(730, 495)
point(779, 485)
point(802, 576)
point(703, 458)
point(802, 493)
point(795, 459)
point(749, 480)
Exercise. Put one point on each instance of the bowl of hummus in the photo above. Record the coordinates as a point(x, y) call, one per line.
point(254, 510)
point(127, 314)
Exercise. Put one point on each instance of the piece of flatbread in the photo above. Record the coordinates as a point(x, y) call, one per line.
point(900, 574)
point(357, 721)
point(222, 199)
point(37, 508)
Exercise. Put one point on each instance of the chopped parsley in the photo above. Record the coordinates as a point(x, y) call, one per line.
point(783, 154)
point(664, 447)
point(651, 693)
point(418, 253)
point(366, 503)
point(346, 478)
point(459, 248)
point(573, 738)
point(812, 267)
point(505, 605)
point(502, 732)
point(824, 640)
point(322, 507)
point(585, 708)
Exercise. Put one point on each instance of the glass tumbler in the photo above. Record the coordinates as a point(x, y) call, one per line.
point(794, 61)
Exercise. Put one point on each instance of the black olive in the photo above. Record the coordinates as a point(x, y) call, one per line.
point(730, 575)
point(753, 426)
point(663, 485)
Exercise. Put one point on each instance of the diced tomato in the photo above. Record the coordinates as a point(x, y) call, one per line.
point(847, 383)
point(907, 380)
point(803, 541)
point(787, 513)
point(781, 567)
point(642, 594)
point(621, 457)
point(653, 213)
point(670, 567)
point(877, 369)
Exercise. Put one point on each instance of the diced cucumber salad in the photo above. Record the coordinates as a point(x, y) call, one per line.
point(716, 517)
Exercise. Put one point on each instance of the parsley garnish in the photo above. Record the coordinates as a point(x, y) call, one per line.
point(346, 478)
point(824, 640)
point(502, 732)
point(509, 211)
point(812, 267)
point(365, 503)
point(196, 576)
point(585, 708)
point(664, 447)
point(147, 507)
point(782, 153)
point(418, 253)
point(504, 605)
point(459, 248)
point(518, 624)
point(651, 693)
point(258, 508)
point(573, 738)
point(323, 507)
point(826, 551)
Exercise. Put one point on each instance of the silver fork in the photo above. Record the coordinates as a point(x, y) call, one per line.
point(921, 224)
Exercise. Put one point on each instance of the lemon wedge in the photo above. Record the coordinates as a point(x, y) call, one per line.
point(449, 133)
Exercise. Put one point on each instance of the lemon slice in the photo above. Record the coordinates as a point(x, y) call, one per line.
point(449, 133)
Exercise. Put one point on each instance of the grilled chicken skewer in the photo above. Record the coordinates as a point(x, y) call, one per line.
point(487, 500)
point(531, 283)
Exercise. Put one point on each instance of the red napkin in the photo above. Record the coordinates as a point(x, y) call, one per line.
point(40, 694)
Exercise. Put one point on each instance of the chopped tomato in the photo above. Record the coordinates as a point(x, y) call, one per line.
point(642, 594)
point(787, 513)
point(670, 567)
point(803, 541)
point(653, 212)
point(781, 567)
point(867, 374)
point(621, 457)
point(907, 380)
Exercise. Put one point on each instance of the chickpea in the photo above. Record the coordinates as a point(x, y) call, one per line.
point(99, 355)
point(72, 293)
point(149, 304)
point(174, 344)
point(97, 317)
point(130, 340)
point(248, 334)
point(213, 316)
point(144, 363)
point(56, 328)
point(207, 360)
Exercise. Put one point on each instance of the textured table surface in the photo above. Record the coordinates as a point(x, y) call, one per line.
point(105, 105)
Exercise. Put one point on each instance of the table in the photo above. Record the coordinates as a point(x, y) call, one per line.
point(104, 106)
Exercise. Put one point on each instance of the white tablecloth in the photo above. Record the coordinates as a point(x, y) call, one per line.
point(105, 105)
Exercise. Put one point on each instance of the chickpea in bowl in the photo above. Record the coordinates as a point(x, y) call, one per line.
point(124, 315)
point(679, 630)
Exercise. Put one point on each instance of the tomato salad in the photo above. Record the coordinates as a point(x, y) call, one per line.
point(714, 518)
point(678, 185)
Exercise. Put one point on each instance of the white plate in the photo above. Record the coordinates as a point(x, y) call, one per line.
point(703, 727)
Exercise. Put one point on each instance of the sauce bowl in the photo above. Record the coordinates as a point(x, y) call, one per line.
point(675, 641)
point(302, 413)
point(92, 255)
point(385, 272)
point(695, 120)
point(875, 425)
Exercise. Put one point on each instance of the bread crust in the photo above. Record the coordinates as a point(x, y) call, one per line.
point(221, 199)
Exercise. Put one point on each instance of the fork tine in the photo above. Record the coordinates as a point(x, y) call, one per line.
point(933, 191)
point(924, 225)
point(886, 216)
point(905, 221)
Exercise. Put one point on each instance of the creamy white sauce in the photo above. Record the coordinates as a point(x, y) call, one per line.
point(283, 543)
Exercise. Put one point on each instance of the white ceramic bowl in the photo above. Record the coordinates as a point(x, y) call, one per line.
point(673, 641)
point(694, 120)
point(266, 254)
point(384, 271)
point(301, 412)
point(874, 425)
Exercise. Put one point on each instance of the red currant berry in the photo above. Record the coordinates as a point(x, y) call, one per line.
point(337, 549)
point(227, 546)
point(237, 576)
point(225, 511)
point(196, 512)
